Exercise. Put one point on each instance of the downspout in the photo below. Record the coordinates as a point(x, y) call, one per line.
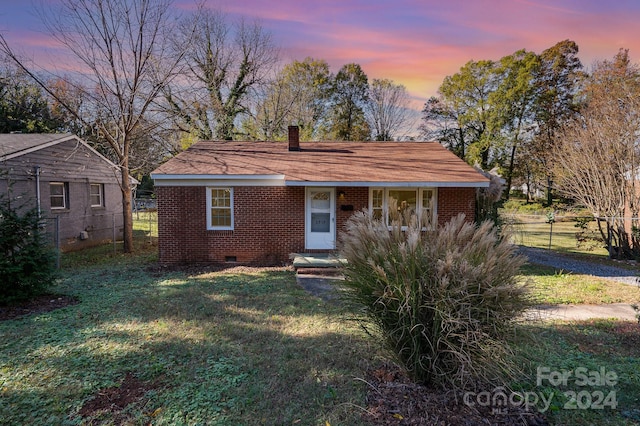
point(37, 171)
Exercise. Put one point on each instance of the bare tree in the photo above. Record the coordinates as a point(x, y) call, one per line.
point(597, 155)
point(271, 114)
point(122, 46)
point(387, 109)
point(224, 63)
point(297, 96)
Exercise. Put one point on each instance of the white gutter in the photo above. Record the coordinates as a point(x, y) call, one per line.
point(392, 184)
point(279, 180)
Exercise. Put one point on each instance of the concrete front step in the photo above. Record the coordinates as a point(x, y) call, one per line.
point(316, 261)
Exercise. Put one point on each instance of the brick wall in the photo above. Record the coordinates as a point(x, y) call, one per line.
point(452, 201)
point(268, 225)
point(268, 222)
point(354, 197)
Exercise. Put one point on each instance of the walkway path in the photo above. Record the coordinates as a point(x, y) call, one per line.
point(621, 311)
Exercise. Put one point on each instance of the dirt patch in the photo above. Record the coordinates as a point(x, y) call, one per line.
point(392, 399)
point(37, 305)
point(112, 401)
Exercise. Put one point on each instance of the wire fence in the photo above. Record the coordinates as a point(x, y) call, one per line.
point(51, 230)
point(74, 232)
point(564, 233)
point(71, 233)
point(145, 224)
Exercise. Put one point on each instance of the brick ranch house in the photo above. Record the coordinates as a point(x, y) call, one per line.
point(258, 202)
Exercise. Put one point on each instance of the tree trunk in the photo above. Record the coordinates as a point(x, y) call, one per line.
point(510, 171)
point(529, 191)
point(462, 148)
point(549, 191)
point(127, 212)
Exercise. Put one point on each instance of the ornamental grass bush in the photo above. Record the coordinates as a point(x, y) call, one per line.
point(443, 300)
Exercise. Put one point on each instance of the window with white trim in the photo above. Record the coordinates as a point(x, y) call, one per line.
point(220, 208)
point(59, 195)
point(428, 204)
point(377, 205)
point(388, 203)
point(96, 194)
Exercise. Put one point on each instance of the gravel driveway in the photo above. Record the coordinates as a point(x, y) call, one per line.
point(558, 261)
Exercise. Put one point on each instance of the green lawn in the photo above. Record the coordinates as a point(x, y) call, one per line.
point(146, 223)
point(248, 346)
point(578, 350)
point(550, 286)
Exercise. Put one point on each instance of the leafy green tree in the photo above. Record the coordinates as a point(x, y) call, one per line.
point(299, 96)
point(441, 122)
point(23, 105)
point(464, 99)
point(505, 113)
point(349, 95)
point(513, 106)
point(310, 81)
point(557, 84)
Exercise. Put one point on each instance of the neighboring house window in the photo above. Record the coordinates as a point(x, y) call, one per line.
point(59, 194)
point(219, 208)
point(384, 202)
point(96, 195)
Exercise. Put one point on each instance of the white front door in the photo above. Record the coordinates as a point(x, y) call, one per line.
point(320, 221)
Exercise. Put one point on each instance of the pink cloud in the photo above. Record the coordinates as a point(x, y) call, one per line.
point(414, 42)
point(36, 40)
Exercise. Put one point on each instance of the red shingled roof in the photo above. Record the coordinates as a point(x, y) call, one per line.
point(337, 163)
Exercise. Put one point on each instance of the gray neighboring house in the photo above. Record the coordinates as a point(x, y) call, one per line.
point(64, 178)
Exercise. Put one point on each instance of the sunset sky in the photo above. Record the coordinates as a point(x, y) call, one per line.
point(413, 42)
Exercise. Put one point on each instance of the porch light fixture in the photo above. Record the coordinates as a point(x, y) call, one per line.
point(341, 194)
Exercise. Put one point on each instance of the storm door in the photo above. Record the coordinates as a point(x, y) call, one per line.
point(320, 221)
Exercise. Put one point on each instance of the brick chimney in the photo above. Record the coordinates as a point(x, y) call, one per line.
point(294, 138)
